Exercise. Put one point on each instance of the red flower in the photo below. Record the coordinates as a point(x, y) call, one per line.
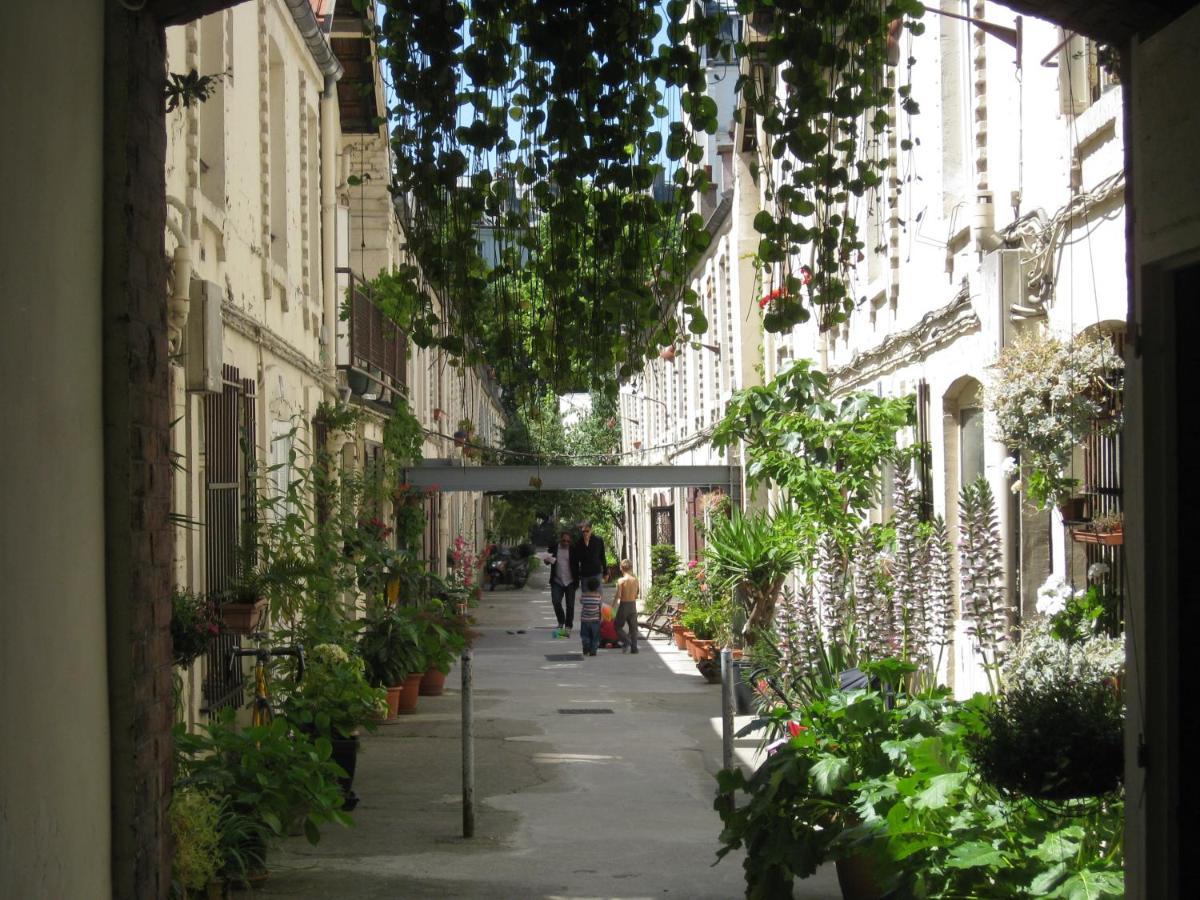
point(795, 728)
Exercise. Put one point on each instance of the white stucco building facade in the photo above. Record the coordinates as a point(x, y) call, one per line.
point(1007, 212)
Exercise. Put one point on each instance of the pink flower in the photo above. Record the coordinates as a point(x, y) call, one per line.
point(805, 275)
point(692, 563)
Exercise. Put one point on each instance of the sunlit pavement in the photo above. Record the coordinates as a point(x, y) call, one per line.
point(610, 799)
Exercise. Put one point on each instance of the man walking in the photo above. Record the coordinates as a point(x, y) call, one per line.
point(564, 577)
point(589, 555)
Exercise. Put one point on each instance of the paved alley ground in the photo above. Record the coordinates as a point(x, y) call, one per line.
point(594, 779)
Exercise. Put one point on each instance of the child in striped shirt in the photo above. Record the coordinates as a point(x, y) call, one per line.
point(589, 615)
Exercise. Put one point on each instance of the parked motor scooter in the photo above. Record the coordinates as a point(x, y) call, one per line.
point(506, 567)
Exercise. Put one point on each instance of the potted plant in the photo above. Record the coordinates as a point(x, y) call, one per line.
point(749, 553)
point(333, 702)
point(1056, 731)
point(245, 603)
point(1108, 530)
point(390, 648)
point(195, 621)
point(262, 777)
point(1047, 395)
point(195, 820)
point(443, 637)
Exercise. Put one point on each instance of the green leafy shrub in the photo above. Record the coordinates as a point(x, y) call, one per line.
point(888, 776)
point(664, 563)
point(1053, 740)
point(390, 647)
point(335, 699)
point(265, 776)
point(195, 818)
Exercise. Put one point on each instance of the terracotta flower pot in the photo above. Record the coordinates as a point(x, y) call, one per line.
point(704, 649)
point(433, 682)
point(409, 692)
point(393, 700)
point(243, 618)
point(1107, 538)
point(677, 636)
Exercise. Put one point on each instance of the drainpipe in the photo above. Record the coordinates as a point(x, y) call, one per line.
point(177, 304)
point(329, 219)
point(318, 46)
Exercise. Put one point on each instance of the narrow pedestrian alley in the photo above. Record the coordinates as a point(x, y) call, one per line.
point(594, 779)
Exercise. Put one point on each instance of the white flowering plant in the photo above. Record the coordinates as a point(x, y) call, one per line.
point(1046, 394)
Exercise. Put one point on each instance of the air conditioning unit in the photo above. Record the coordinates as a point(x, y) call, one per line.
point(202, 339)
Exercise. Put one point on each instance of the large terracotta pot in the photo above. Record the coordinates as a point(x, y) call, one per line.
point(409, 692)
point(433, 682)
point(704, 650)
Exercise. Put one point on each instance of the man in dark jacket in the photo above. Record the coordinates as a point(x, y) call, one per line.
point(588, 555)
point(564, 578)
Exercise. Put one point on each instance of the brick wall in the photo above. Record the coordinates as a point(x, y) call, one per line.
point(138, 539)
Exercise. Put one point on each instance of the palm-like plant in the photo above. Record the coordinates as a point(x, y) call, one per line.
point(755, 554)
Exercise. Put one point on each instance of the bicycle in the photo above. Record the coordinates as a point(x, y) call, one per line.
point(263, 713)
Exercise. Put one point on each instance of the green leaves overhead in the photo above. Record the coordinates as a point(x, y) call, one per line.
point(527, 144)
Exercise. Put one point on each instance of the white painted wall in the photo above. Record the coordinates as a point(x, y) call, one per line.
point(54, 781)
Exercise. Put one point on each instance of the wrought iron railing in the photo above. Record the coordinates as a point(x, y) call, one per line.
point(370, 347)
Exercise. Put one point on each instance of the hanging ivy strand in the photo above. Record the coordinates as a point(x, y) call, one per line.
point(541, 195)
point(819, 95)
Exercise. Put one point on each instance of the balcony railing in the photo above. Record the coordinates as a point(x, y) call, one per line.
point(369, 347)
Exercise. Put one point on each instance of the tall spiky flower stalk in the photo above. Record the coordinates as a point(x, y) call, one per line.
point(982, 573)
point(908, 572)
point(808, 632)
point(787, 628)
point(872, 607)
point(940, 603)
point(830, 589)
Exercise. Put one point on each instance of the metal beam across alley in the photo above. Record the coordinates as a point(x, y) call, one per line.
point(448, 477)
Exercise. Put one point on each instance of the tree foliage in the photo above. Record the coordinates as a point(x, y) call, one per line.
point(825, 454)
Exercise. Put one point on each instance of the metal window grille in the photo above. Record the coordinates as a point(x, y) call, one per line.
point(230, 515)
point(662, 525)
point(1102, 479)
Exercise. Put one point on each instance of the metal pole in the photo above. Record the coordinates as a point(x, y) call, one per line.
point(468, 751)
point(727, 716)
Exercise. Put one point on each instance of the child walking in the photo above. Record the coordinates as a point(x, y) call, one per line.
point(628, 591)
point(589, 615)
